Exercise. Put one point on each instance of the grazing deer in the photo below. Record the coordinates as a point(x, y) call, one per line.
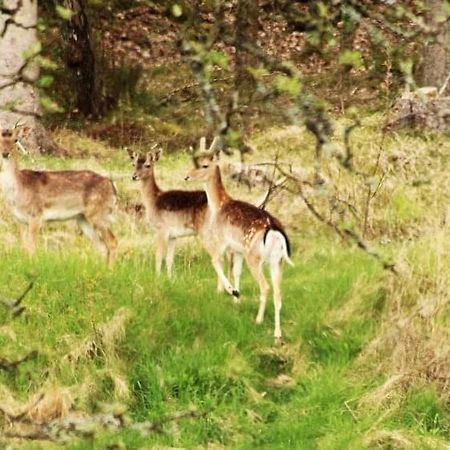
point(250, 232)
point(35, 197)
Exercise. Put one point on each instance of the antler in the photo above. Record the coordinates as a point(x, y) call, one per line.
point(18, 124)
point(214, 143)
point(202, 147)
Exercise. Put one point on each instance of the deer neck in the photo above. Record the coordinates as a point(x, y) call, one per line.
point(10, 169)
point(150, 190)
point(215, 191)
point(10, 180)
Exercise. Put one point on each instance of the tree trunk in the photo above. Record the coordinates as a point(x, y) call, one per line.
point(246, 34)
point(435, 63)
point(19, 99)
point(80, 58)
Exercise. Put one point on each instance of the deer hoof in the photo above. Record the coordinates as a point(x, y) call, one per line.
point(235, 293)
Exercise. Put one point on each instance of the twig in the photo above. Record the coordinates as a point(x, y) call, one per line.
point(10, 366)
point(56, 429)
point(20, 417)
point(344, 233)
point(148, 427)
point(444, 85)
point(15, 305)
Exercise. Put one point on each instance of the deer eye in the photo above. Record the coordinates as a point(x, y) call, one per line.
point(205, 166)
point(147, 165)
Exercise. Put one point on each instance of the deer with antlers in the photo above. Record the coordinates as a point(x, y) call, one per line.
point(35, 197)
point(173, 214)
point(248, 231)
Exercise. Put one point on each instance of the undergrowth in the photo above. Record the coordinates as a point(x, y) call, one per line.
point(364, 361)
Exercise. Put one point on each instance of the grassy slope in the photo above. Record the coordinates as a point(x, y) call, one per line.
point(186, 346)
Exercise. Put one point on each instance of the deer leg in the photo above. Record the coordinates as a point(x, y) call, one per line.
point(89, 231)
point(24, 235)
point(111, 244)
point(34, 226)
point(170, 255)
point(236, 260)
point(220, 286)
point(97, 227)
point(161, 246)
point(110, 241)
point(255, 265)
point(276, 276)
point(217, 264)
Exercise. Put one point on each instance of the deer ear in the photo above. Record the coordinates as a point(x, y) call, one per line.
point(25, 131)
point(131, 154)
point(157, 154)
point(15, 134)
point(215, 156)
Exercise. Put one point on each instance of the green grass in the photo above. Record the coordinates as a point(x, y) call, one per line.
point(187, 346)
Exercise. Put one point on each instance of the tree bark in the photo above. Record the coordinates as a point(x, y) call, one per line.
point(80, 58)
point(435, 61)
point(246, 34)
point(19, 99)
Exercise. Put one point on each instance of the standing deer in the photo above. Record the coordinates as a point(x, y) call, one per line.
point(35, 197)
point(172, 214)
point(250, 232)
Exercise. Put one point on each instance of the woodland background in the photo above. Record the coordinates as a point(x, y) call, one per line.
point(335, 115)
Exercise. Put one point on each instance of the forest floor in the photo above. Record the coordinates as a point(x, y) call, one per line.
point(365, 359)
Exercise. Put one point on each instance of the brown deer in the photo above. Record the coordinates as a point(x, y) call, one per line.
point(173, 213)
point(250, 232)
point(35, 197)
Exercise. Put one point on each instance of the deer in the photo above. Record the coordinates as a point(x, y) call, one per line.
point(38, 196)
point(249, 232)
point(173, 213)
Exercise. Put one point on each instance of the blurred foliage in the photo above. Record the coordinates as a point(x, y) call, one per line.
point(335, 47)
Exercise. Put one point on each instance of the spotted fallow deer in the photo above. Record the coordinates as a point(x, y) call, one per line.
point(248, 231)
point(173, 213)
point(35, 197)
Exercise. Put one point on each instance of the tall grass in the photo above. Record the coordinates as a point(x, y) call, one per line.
point(340, 380)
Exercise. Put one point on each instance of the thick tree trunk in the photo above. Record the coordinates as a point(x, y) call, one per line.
point(436, 61)
point(80, 58)
point(19, 100)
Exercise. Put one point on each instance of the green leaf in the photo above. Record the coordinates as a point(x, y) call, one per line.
point(258, 73)
point(46, 63)
point(406, 66)
point(176, 10)
point(351, 58)
point(46, 81)
point(233, 138)
point(313, 38)
point(218, 59)
point(32, 51)
point(322, 10)
point(64, 13)
point(291, 85)
point(50, 105)
point(446, 8)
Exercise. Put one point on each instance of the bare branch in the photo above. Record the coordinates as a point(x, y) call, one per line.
point(14, 305)
point(10, 366)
